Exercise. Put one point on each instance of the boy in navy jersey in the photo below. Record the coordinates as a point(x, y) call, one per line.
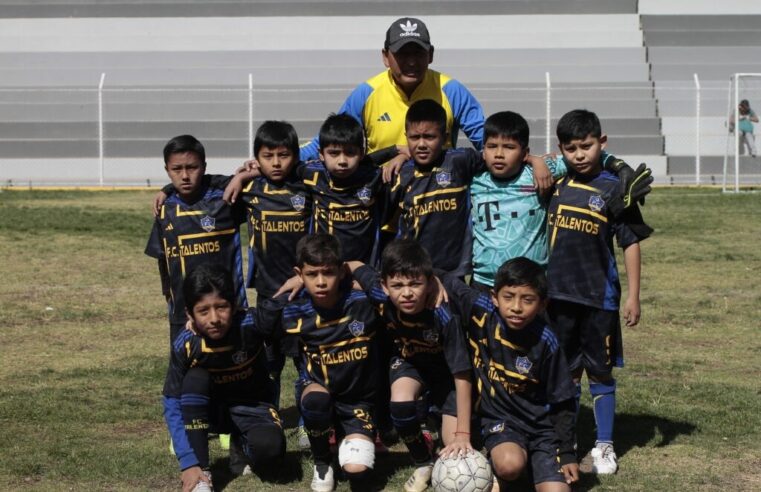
point(218, 368)
point(429, 354)
point(525, 395)
point(584, 287)
point(194, 226)
point(332, 329)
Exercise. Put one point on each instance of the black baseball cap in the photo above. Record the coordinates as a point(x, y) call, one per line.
point(407, 30)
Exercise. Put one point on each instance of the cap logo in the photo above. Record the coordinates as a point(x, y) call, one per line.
point(409, 30)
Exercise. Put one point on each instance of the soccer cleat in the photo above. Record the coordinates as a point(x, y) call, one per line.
point(239, 464)
point(323, 482)
point(303, 437)
point(604, 460)
point(202, 486)
point(419, 479)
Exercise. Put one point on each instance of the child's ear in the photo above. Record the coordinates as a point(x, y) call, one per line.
point(190, 323)
point(383, 286)
point(526, 153)
point(543, 305)
point(494, 297)
point(603, 140)
point(297, 271)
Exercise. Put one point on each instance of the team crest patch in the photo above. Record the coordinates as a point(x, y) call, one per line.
point(523, 365)
point(356, 328)
point(596, 203)
point(365, 195)
point(443, 178)
point(240, 357)
point(497, 428)
point(430, 336)
point(207, 223)
point(298, 202)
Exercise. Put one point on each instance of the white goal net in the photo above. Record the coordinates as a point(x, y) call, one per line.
point(742, 162)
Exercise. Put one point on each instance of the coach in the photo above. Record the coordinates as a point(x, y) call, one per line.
point(381, 102)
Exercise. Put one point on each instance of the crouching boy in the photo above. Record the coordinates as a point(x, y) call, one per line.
point(333, 329)
point(525, 394)
point(429, 355)
point(217, 376)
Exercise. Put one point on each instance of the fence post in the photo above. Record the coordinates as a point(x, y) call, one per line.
point(697, 129)
point(250, 116)
point(100, 124)
point(548, 98)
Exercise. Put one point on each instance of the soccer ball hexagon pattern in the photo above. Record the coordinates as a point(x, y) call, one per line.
point(470, 473)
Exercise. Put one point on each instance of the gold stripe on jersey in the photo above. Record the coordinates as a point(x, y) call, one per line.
point(505, 342)
point(243, 364)
point(479, 321)
point(296, 329)
point(574, 184)
point(197, 249)
point(313, 181)
point(189, 213)
point(207, 349)
point(334, 215)
point(495, 366)
point(319, 323)
point(439, 205)
point(411, 347)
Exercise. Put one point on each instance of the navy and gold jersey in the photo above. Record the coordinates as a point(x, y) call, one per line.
point(278, 216)
point(236, 362)
point(582, 266)
point(518, 373)
point(338, 346)
point(432, 341)
point(348, 208)
point(187, 235)
point(433, 206)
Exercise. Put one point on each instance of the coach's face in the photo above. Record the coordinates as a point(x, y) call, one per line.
point(186, 171)
point(408, 65)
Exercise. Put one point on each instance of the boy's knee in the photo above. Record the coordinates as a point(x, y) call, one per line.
point(508, 465)
point(197, 381)
point(356, 457)
point(316, 408)
point(266, 444)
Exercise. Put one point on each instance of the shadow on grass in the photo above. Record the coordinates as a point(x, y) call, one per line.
point(289, 471)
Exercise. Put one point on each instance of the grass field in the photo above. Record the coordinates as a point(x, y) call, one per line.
point(84, 339)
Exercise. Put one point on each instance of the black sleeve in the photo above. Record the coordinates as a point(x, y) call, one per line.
point(166, 280)
point(269, 313)
point(369, 280)
point(630, 227)
point(562, 416)
point(475, 164)
point(382, 156)
point(615, 165)
point(454, 342)
point(153, 247)
point(179, 364)
point(461, 297)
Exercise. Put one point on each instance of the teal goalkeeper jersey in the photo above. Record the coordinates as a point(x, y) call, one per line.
point(509, 220)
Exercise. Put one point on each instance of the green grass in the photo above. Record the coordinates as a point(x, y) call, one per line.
point(84, 341)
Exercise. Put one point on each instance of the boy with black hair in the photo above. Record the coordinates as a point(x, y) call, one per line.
point(194, 226)
point(429, 197)
point(523, 385)
point(429, 354)
point(584, 288)
point(218, 376)
point(332, 329)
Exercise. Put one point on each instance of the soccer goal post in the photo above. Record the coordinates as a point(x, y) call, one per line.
point(742, 164)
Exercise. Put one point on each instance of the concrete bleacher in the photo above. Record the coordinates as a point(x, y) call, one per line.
point(168, 75)
point(713, 40)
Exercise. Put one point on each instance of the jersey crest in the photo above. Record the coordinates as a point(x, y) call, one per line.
point(430, 336)
point(356, 328)
point(443, 178)
point(596, 203)
point(207, 223)
point(240, 357)
point(365, 195)
point(523, 365)
point(298, 202)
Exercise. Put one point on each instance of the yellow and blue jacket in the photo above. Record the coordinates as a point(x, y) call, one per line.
point(381, 106)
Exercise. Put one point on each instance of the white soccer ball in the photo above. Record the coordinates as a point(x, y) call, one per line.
point(470, 473)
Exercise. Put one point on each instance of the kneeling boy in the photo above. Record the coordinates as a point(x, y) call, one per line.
point(218, 375)
point(525, 392)
point(334, 329)
point(429, 358)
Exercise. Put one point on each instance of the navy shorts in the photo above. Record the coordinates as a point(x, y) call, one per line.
point(439, 390)
point(590, 337)
point(355, 418)
point(541, 448)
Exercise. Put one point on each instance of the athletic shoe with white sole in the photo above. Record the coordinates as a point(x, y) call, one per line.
point(323, 479)
point(419, 479)
point(303, 438)
point(604, 460)
point(202, 486)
